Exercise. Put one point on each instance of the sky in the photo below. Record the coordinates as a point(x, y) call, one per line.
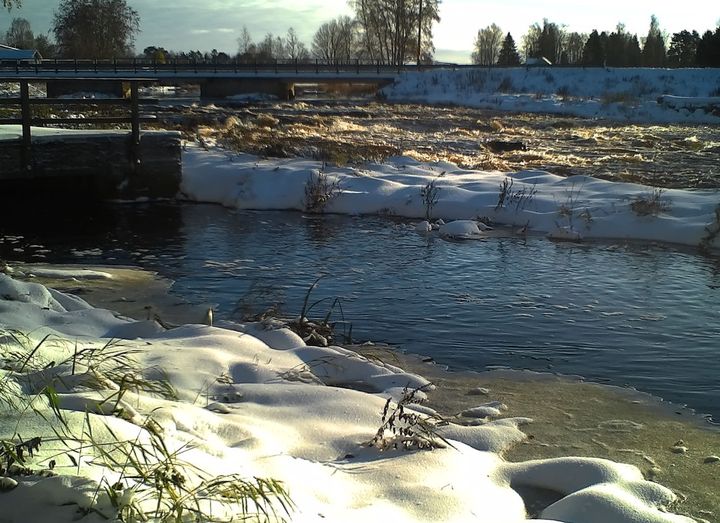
point(182, 25)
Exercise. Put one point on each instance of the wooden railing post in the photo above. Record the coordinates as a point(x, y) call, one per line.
point(26, 118)
point(135, 112)
point(135, 126)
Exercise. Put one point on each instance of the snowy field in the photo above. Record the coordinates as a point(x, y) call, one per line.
point(142, 420)
point(618, 94)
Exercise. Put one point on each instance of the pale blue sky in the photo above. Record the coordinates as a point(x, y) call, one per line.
point(207, 24)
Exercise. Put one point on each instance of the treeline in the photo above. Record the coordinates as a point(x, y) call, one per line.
point(385, 31)
point(391, 32)
point(616, 49)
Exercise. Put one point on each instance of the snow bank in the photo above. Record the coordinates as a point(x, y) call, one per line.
point(620, 94)
point(569, 208)
point(302, 415)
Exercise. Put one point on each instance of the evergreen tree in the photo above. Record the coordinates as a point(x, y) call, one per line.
point(509, 55)
point(552, 39)
point(634, 53)
point(594, 51)
point(708, 49)
point(653, 53)
point(683, 49)
point(616, 53)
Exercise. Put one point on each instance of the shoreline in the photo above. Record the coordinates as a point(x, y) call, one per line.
point(603, 421)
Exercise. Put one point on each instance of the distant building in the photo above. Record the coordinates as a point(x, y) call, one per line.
point(538, 62)
point(8, 53)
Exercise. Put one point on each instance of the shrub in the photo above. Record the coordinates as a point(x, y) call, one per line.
point(403, 429)
point(650, 204)
point(319, 191)
point(521, 198)
point(506, 85)
point(430, 196)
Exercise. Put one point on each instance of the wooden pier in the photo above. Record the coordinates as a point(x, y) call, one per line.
point(125, 163)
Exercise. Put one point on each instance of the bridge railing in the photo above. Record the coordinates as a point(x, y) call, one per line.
point(139, 66)
point(27, 120)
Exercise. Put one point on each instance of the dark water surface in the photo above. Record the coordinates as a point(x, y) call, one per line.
point(637, 315)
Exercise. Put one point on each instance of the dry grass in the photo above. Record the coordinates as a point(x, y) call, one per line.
point(650, 204)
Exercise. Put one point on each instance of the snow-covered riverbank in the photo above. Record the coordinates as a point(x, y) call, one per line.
point(617, 94)
point(261, 404)
point(534, 201)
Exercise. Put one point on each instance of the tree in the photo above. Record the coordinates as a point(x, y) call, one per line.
point(244, 41)
point(683, 49)
point(294, 48)
point(574, 46)
point(392, 29)
point(8, 4)
point(508, 52)
point(95, 28)
point(487, 45)
point(336, 40)
point(594, 51)
point(653, 53)
point(551, 42)
point(708, 49)
point(44, 46)
point(156, 54)
point(20, 34)
point(531, 42)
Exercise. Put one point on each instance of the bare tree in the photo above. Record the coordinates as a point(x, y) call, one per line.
point(574, 47)
point(392, 29)
point(531, 41)
point(336, 40)
point(294, 48)
point(19, 34)
point(244, 41)
point(487, 45)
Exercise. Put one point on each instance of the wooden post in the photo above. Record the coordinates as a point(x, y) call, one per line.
point(135, 125)
point(135, 112)
point(26, 120)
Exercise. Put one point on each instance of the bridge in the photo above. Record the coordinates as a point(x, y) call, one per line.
point(216, 80)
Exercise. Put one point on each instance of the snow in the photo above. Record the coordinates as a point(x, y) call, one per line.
point(574, 208)
point(619, 94)
point(302, 415)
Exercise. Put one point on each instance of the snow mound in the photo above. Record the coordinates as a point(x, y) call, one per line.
point(266, 406)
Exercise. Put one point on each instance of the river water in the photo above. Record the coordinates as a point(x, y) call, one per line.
point(643, 316)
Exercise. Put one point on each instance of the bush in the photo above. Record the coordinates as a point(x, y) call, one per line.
point(506, 85)
point(650, 204)
point(319, 191)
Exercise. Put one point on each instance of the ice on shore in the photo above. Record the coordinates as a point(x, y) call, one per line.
point(574, 208)
point(260, 403)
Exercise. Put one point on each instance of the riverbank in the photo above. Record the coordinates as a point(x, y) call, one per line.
point(570, 417)
point(574, 208)
point(644, 95)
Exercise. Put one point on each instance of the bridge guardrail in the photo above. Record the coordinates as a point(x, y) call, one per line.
point(136, 66)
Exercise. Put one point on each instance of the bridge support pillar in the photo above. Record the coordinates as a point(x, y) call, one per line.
point(225, 87)
point(114, 88)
